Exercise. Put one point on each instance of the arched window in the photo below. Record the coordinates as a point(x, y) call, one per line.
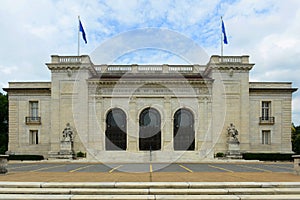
point(116, 136)
point(149, 131)
point(184, 134)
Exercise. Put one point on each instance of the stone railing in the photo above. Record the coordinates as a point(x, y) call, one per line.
point(33, 120)
point(70, 59)
point(230, 59)
point(133, 68)
point(147, 68)
point(181, 68)
point(267, 120)
point(119, 68)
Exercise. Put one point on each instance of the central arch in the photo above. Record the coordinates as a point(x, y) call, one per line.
point(149, 130)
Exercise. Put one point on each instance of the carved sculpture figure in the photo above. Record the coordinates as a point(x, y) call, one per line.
point(232, 133)
point(67, 133)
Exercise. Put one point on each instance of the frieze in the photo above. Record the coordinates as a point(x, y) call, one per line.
point(150, 91)
point(150, 82)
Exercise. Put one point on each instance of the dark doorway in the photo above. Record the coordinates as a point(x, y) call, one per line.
point(150, 133)
point(184, 134)
point(116, 136)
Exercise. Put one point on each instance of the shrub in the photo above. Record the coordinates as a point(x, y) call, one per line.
point(25, 157)
point(268, 156)
point(80, 154)
point(220, 155)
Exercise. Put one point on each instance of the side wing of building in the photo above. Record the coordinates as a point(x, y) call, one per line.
point(270, 117)
point(29, 117)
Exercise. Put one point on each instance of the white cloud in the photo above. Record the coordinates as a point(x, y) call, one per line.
point(266, 30)
point(8, 70)
point(296, 110)
point(296, 104)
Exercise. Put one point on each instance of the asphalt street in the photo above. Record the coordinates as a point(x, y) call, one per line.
point(149, 167)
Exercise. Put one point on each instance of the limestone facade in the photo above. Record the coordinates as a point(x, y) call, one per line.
point(112, 108)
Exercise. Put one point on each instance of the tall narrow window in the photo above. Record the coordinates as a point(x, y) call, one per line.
point(184, 134)
point(34, 110)
point(266, 110)
point(149, 133)
point(116, 135)
point(266, 137)
point(33, 137)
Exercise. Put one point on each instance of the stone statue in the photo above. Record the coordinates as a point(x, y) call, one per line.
point(66, 144)
point(232, 133)
point(67, 133)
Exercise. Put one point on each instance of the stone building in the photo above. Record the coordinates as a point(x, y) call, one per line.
point(140, 113)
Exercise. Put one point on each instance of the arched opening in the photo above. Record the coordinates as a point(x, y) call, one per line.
point(149, 131)
point(116, 136)
point(184, 134)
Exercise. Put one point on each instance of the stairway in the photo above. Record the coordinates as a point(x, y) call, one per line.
point(149, 190)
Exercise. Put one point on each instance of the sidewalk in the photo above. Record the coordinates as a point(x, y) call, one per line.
point(148, 177)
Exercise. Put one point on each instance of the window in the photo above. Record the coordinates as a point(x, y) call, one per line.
point(266, 117)
point(33, 137)
point(34, 108)
point(116, 135)
point(184, 134)
point(33, 117)
point(149, 130)
point(266, 137)
point(266, 110)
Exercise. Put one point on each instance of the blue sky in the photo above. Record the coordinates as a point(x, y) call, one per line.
point(268, 31)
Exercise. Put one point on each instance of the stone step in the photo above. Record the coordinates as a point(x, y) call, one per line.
point(142, 197)
point(146, 185)
point(149, 190)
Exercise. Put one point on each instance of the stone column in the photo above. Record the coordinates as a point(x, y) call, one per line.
point(94, 131)
point(100, 120)
point(133, 125)
point(200, 124)
point(167, 129)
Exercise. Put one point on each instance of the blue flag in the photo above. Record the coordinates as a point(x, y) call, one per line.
point(224, 33)
point(82, 30)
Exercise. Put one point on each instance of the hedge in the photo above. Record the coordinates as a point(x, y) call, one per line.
point(268, 156)
point(26, 157)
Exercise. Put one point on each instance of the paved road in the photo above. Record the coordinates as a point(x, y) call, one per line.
point(153, 167)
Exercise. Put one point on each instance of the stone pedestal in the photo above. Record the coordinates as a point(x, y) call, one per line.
point(233, 150)
point(296, 164)
point(3, 164)
point(66, 150)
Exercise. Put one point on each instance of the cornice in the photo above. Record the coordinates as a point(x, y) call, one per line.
point(150, 82)
point(233, 66)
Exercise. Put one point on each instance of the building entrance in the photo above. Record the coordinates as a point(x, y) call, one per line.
point(184, 134)
point(149, 130)
point(116, 136)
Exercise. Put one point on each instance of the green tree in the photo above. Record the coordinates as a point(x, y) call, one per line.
point(296, 139)
point(3, 123)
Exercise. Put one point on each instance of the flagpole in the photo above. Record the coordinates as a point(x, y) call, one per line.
point(221, 39)
point(78, 49)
